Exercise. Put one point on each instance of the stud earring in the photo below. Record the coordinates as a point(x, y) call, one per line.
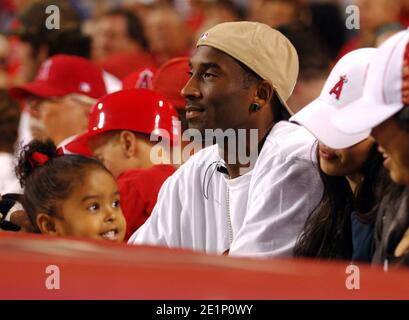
point(254, 107)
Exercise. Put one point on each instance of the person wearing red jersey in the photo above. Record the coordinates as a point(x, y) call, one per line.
point(121, 128)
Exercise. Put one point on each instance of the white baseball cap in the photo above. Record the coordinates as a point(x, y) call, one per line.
point(344, 85)
point(382, 96)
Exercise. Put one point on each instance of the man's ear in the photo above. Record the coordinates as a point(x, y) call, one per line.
point(264, 93)
point(128, 142)
point(46, 224)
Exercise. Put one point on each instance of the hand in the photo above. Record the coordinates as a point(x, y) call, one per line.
point(21, 218)
point(403, 246)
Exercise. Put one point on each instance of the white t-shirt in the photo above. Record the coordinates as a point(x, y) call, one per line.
point(237, 194)
point(268, 209)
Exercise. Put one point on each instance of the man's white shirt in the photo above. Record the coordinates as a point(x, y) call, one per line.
point(259, 214)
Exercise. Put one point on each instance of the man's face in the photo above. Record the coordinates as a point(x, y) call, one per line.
point(166, 32)
point(57, 118)
point(33, 107)
point(394, 145)
point(110, 37)
point(63, 118)
point(216, 95)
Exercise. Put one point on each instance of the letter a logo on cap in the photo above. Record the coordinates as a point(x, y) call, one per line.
point(44, 70)
point(204, 35)
point(337, 89)
point(145, 80)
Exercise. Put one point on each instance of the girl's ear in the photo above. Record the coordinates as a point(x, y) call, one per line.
point(46, 224)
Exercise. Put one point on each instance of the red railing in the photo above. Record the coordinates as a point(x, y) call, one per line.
point(100, 270)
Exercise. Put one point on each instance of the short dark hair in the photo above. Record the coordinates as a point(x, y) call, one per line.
point(232, 7)
point(72, 42)
point(327, 21)
point(134, 25)
point(249, 76)
point(66, 40)
point(312, 53)
point(46, 185)
point(9, 120)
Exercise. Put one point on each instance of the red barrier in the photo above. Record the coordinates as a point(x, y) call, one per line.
point(100, 270)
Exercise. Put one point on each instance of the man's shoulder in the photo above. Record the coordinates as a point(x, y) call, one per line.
point(291, 141)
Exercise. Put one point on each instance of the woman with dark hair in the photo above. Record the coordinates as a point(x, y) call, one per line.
point(385, 108)
point(341, 226)
point(393, 224)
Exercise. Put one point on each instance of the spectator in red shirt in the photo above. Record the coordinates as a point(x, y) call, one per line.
point(121, 128)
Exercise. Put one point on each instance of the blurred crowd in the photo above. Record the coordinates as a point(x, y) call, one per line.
point(158, 30)
point(122, 36)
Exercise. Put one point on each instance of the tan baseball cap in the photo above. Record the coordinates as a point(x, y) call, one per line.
point(263, 49)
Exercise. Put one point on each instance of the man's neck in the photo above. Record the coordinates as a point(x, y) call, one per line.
point(236, 168)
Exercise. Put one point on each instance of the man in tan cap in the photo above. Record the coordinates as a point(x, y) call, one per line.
point(241, 75)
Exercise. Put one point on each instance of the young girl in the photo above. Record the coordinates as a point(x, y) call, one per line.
point(69, 195)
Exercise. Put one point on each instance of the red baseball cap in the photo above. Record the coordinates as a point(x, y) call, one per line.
point(170, 79)
point(140, 79)
point(122, 64)
point(138, 110)
point(64, 74)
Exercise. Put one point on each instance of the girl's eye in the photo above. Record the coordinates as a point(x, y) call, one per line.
point(93, 207)
point(115, 204)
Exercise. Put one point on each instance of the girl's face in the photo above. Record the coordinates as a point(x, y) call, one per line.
point(344, 162)
point(93, 209)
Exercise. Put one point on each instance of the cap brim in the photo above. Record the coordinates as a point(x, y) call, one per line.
point(315, 117)
point(363, 115)
point(36, 88)
point(79, 145)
